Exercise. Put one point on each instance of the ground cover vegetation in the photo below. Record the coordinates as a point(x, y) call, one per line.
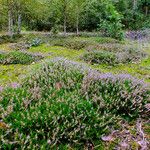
point(74, 74)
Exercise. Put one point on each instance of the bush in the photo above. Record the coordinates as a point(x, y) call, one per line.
point(66, 103)
point(71, 44)
point(35, 42)
point(58, 116)
point(17, 57)
point(112, 25)
point(121, 54)
point(99, 57)
point(52, 122)
point(120, 94)
point(8, 39)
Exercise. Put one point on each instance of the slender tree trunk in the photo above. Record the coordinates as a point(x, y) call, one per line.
point(10, 23)
point(134, 4)
point(146, 10)
point(77, 23)
point(65, 22)
point(19, 23)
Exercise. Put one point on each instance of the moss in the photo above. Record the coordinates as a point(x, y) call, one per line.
point(140, 70)
point(57, 51)
point(11, 73)
point(5, 47)
point(134, 145)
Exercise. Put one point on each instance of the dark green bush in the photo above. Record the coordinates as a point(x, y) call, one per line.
point(112, 25)
point(17, 57)
point(8, 39)
point(72, 44)
point(120, 94)
point(100, 57)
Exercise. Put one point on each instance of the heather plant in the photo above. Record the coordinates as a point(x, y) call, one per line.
point(110, 54)
point(100, 57)
point(8, 39)
point(16, 57)
point(66, 103)
point(62, 119)
point(120, 94)
point(71, 44)
point(49, 107)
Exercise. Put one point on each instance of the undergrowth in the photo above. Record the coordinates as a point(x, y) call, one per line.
point(67, 103)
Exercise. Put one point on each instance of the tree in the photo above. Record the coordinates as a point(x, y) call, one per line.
point(78, 6)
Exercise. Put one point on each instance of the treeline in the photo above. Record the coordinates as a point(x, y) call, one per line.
point(110, 16)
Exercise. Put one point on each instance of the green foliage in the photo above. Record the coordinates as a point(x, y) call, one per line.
point(35, 42)
point(100, 57)
point(70, 43)
point(112, 26)
point(121, 94)
point(64, 102)
point(8, 39)
point(17, 57)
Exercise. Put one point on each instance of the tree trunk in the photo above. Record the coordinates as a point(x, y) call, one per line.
point(146, 10)
point(77, 23)
point(10, 23)
point(65, 20)
point(134, 4)
point(19, 23)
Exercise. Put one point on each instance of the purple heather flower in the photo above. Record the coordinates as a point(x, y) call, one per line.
point(15, 85)
point(1, 88)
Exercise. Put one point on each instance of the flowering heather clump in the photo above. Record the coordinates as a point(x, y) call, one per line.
point(100, 57)
point(135, 35)
point(17, 57)
point(120, 94)
point(67, 103)
point(112, 56)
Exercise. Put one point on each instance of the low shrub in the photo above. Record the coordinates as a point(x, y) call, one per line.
point(50, 114)
point(66, 103)
point(35, 42)
point(17, 57)
point(53, 122)
point(111, 47)
point(76, 44)
point(9, 39)
point(120, 54)
point(99, 57)
point(71, 44)
point(120, 94)
point(23, 46)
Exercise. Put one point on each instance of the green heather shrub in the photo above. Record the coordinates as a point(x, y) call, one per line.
point(17, 57)
point(99, 57)
point(8, 39)
point(66, 103)
point(71, 44)
point(120, 94)
point(106, 54)
point(62, 119)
